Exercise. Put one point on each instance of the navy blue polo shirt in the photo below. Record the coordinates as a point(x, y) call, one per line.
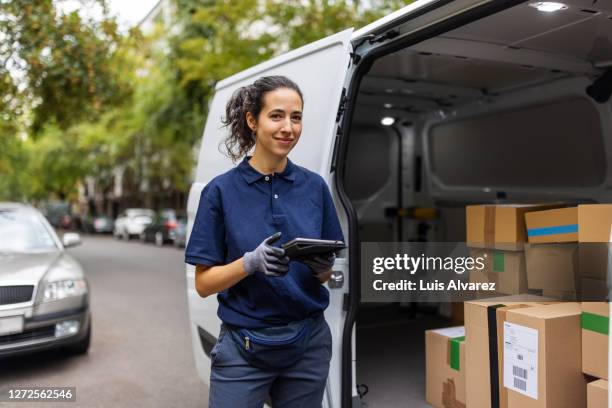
point(241, 208)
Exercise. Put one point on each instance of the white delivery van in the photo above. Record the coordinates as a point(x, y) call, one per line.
point(491, 101)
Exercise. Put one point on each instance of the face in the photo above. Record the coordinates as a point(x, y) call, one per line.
point(279, 124)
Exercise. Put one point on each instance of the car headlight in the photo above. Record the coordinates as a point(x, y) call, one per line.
point(65, 288)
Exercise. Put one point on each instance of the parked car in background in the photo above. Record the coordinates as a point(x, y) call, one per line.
point(132, 222)
point(180, 233)
point(100, 224)
point(44, 294)
point(103, 225)
point(163, 228)
point(58, 213)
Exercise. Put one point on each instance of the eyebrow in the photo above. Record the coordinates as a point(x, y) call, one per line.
point(282, 111)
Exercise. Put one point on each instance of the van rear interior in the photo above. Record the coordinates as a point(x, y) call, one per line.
point(495, 111)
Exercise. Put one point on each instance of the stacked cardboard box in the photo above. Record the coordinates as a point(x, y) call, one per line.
point(542, 357)
point(484, 348)
point(568, 250)
point(595, 322)
point(597, 394)
point(445, 367)
point(526, 352)
point(498, 234)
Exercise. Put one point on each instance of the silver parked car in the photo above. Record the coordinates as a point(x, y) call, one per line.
point(44, 295)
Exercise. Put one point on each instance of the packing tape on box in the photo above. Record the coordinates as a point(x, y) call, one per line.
point(499, 261)
point(595, 323)
point(493, 354)
point(489, 225)
point(558, 229)
point(455, 352)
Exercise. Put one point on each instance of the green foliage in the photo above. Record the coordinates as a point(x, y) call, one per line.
point(61, 60)
point(93, 101)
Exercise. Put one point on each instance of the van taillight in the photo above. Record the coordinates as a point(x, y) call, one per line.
point(170, 224)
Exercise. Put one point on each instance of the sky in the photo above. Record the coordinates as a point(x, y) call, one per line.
point(128, 12)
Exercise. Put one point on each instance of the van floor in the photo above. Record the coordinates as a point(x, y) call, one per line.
point(391, 355)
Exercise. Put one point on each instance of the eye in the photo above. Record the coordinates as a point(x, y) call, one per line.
point(296, 118)
point(276, 116)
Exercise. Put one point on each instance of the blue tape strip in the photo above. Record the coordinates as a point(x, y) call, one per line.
point(560, 229)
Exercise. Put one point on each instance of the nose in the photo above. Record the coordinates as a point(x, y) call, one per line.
point(286, 127)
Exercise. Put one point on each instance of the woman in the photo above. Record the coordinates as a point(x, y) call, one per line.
point(274, 340)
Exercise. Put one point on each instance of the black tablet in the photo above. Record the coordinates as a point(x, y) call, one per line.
point(301, 247)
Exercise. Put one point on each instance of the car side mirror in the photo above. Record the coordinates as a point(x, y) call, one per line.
point(71, 239)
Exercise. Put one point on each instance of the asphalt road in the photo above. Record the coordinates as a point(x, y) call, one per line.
point(141, 353)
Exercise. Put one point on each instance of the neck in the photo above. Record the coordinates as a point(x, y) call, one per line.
point(266, 164)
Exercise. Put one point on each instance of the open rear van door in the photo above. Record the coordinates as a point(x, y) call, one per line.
point(319, 69)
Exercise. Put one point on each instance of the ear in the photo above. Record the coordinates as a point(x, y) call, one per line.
point(251, 122)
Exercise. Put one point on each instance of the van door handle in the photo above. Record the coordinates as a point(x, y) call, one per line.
point(336, 280)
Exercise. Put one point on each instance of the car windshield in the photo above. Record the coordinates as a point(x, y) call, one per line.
point(23, 231)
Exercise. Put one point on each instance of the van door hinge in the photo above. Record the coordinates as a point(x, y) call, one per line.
point(342, 106)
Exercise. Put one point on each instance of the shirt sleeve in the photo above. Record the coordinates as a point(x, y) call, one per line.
point(207, 241)
point(331, 225)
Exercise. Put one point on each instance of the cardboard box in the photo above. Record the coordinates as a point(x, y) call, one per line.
point(595, 323)
point(481, 319)
point(552, 266)
point(557, 225)
point(593, 260)
point(560, 295)
point(593, 290)
point(585, 223)
point(445, 367)
point(499, 226)
point(594, 222)
point(507, 269)
point(597, 394)
point(542, 357)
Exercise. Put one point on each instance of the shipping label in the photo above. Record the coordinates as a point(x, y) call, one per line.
point(521, 359)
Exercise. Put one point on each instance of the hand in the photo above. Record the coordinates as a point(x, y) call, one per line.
point(267, 258)
point(320, 264)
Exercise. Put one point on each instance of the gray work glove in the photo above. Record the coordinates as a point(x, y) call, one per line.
point(319, 264)
point(267, 258)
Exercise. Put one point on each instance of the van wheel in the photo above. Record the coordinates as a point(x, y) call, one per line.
point(159, 239)
point(125, 236)
point(142, 237)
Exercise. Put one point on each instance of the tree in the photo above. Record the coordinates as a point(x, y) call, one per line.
point(56, 64)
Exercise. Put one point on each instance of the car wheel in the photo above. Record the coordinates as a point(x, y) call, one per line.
point(82, 347)
point(159, 239)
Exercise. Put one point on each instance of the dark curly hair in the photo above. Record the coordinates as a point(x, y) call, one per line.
point(249, 99)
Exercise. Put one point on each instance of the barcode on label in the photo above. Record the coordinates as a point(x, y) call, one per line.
point(519, 372)
point(520, 384)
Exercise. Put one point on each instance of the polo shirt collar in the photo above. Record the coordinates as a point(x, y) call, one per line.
point(251, 175)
